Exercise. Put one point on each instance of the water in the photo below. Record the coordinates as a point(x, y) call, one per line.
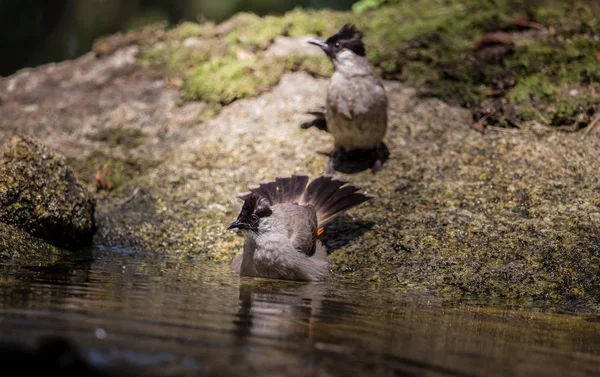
point(136, 314)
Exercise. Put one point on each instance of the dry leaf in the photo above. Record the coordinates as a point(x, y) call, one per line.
point(103, 181)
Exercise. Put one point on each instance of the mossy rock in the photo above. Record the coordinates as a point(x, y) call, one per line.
point(511, 214)
point(40, 195)
point(550, 47)
point(21, 247)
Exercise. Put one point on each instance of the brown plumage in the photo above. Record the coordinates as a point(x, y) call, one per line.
point(356, 103)
point(281, 221)
point(325, 194)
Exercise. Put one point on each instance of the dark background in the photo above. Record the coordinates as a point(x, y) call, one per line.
point(34, 32)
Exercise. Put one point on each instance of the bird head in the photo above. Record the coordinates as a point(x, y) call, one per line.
point(348, 38)
point(254, 208)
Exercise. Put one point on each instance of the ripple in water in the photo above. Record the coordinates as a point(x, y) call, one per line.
point(120, 313)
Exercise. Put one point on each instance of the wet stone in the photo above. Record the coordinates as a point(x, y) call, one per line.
point(40, 195)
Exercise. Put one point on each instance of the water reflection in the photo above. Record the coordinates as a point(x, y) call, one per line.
point(284, 309)
point(132, 314)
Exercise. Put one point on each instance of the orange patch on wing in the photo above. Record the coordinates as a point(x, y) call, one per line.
point(320, 231)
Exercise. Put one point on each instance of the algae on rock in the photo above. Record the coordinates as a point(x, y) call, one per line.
point(40, 195)
point(22, 248)
point(511, 214)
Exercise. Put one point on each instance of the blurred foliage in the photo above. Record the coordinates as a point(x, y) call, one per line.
point(34, 32)
point(365, 5)
point(551, 74)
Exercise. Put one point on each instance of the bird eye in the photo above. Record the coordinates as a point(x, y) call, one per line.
point(254, 218)
point(337, 44)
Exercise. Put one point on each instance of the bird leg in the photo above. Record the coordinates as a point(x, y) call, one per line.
point(382, 153)
point(357, 160)
point(332, 162)
point(377, 165)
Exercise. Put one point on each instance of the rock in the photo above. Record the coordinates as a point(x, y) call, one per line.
point(512, 214)
point(40, 195)
point(499, 214)
point(21, 247)
point(285, 46)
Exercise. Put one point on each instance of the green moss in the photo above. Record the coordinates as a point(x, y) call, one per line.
point(145, 18)
point(127, 137)
point(575, 17)
point(253, 32)
point(535, 87)
point(219, 68)
point(430, 47)
point(176, 59)
point(366, 5)
point(527, 113)
point(227, 79)
point(22, 248)
point(560, 61)
point(499, 214)
point(418, 73)
point(256, 33)
point(558, 78)
point(222, 68)
point(186, 30)
point(568, 110)
point(312, 64)
point(117, 170)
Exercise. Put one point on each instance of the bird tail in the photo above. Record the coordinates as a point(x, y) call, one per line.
point(330, 197)
point(319, 121)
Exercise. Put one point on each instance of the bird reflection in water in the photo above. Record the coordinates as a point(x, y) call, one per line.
point(285, 310)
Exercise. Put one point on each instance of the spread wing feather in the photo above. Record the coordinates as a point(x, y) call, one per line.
point(329, 197)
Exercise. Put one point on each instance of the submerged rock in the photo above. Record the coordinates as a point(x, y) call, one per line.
point(40, 195)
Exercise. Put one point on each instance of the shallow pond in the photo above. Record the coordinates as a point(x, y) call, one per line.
point(128, 313)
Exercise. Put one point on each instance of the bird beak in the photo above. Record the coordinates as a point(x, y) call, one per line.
point(236, 224)
point(319, 43)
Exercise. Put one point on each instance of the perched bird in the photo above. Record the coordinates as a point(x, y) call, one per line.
point(356, 104)
point(281, 221)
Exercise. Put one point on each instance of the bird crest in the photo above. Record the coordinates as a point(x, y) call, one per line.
point(348, 37)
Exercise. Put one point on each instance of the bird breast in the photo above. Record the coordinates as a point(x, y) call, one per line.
point(356, 110)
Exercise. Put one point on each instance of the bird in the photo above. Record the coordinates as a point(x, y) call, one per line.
point(356, 103)
point(281, 221)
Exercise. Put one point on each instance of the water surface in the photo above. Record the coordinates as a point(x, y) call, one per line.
point(128, 313)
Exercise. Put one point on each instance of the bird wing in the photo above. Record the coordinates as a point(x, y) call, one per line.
point(357, 96)
point(301, 223)
point(343, 106)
